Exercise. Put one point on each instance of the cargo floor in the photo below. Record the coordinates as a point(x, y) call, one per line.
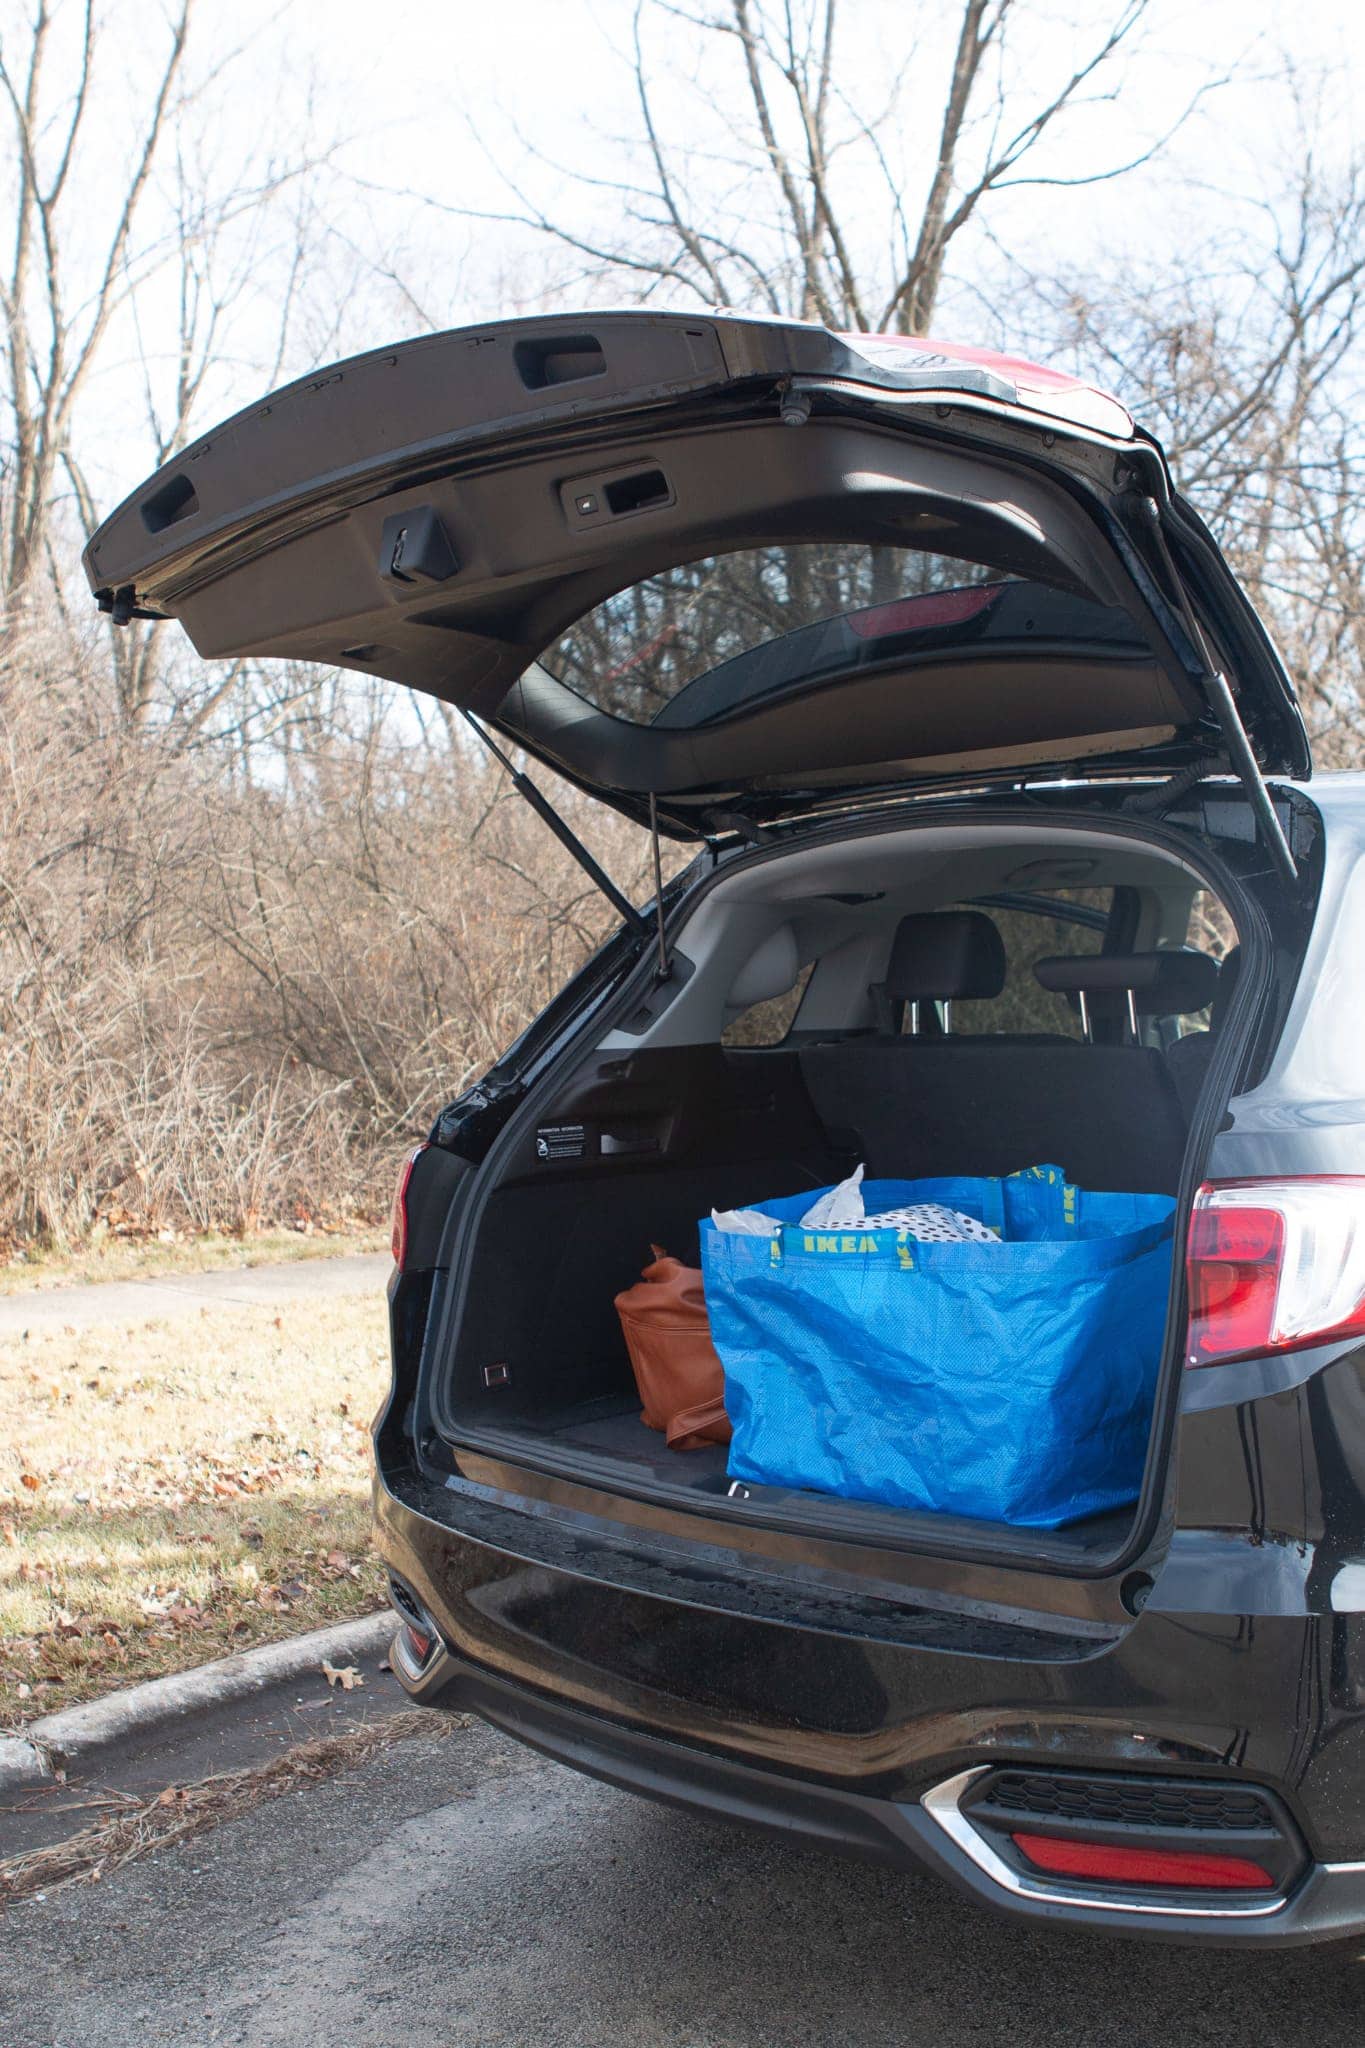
point(620, 1433)
point(609, 1431)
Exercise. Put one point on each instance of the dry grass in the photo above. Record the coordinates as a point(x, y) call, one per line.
point(134, 1258)
point(179, 1489)
point(184, 1810)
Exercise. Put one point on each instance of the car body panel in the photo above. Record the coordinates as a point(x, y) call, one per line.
point(759, 1675)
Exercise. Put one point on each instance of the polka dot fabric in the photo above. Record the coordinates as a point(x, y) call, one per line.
point(929, 1222)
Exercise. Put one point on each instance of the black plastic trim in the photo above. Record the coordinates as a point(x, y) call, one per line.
point(1329, 1903)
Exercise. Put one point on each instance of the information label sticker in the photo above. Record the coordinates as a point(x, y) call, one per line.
point(561, 1141)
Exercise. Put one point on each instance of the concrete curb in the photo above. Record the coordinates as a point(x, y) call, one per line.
point(77, 1735)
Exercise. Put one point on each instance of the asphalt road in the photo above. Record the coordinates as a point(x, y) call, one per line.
point(468, 1893)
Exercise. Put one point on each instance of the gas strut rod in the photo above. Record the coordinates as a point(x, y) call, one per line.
point(1224, 705)
point(665, 967)
point(543, 809)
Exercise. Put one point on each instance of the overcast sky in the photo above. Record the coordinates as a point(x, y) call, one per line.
point(432, 111)
point(558, 71)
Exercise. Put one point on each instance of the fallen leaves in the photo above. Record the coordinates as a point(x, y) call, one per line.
point(180, 1811)
point(159, 1603)
point(347, 1676)
point(185, 1498)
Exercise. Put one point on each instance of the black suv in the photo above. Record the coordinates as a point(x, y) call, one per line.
point(1005, 852)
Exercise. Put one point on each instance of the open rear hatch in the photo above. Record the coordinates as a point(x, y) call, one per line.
point(936, 566)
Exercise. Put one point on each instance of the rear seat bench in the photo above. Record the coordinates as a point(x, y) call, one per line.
point(933, 1102)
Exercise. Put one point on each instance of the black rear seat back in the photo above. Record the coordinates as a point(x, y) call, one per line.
point(1108, 1115)
point(925, 1105)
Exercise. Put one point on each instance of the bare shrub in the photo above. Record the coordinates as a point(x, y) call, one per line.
point(229, 999)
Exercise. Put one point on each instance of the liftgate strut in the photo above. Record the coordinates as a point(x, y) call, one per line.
point(1244, 763)
point(618, 900)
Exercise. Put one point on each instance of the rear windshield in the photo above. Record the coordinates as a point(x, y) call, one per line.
point(703, 640)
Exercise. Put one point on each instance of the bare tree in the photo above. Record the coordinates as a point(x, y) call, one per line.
point(1244, 353)
point(53, 332)
point(808, 213)
point(183, 241)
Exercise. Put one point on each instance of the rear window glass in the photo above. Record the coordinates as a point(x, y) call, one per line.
point(637, 653)
point(1211, 928)
point(704, 640)
point(1070, 921)
point(768, 1022)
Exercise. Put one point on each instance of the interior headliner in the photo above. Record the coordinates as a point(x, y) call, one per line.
point(903, 869)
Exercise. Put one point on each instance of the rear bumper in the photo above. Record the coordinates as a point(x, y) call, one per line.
point(928, 1834)
point(638, 1669)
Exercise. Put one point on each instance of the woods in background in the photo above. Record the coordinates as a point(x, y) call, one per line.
point(257, 924)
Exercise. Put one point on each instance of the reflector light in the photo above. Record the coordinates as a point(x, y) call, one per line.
point(418, 1641)
point(918, 614)
point(398, 1220)
point(1102, 1862)
point(1274, 1265)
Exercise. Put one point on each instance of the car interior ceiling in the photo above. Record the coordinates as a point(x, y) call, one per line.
point(897, 1044)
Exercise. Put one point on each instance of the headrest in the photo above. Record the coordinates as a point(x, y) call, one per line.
point(939, 956)
point(1163, 984)
point(770, 970)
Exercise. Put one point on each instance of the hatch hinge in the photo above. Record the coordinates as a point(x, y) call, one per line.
point(1222, 703)
point(546, 811)
point(735, 821)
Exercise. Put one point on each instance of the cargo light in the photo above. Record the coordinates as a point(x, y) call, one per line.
point(1104, 1863)
point(1274, 1265)
point(398, 1220)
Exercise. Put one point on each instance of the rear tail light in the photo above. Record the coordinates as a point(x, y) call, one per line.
point(398, 1221)
point(1274, 1265)
point(1106, 1863)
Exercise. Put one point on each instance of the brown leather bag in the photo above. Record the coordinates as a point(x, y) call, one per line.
point(680, 1378)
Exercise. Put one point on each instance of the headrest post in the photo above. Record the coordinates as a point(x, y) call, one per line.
point(947, 1016)
point(1173, 983)
point(914, 1018)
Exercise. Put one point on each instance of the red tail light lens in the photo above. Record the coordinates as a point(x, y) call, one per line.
point(1183, 1869)
point(398, 1220)
point(1274, 1265)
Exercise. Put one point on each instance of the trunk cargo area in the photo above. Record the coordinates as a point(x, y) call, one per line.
point(541, 1367)
point(908, 997)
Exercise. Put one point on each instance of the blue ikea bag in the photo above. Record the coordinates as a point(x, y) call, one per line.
point(1010, 1382)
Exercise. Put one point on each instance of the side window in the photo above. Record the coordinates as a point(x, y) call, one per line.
point(767, 1023)
point(1065, 921)
point(1210, 927)
point(1210, 930)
